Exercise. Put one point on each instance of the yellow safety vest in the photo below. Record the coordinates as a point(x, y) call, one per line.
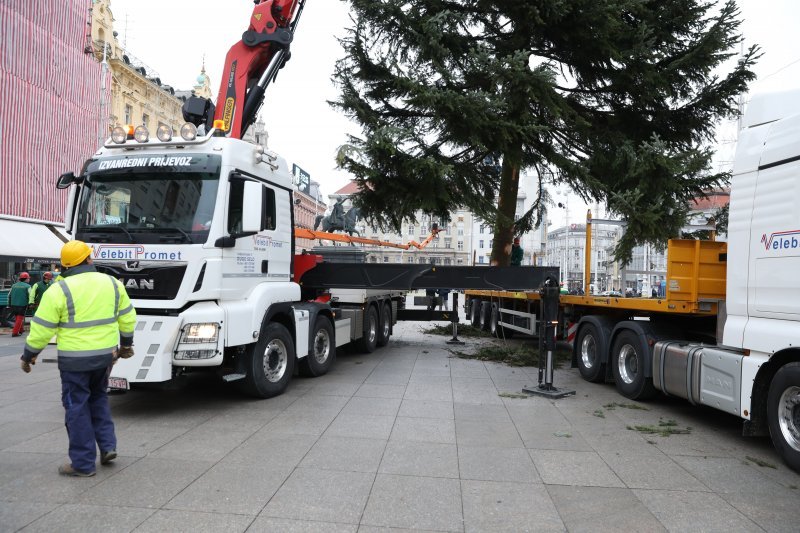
point(90, 313)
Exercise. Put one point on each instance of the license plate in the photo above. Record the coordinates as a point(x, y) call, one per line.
point(118, 383)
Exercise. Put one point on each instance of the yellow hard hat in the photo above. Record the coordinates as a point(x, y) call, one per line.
point(74, 252)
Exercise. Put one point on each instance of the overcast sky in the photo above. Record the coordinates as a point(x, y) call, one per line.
point(173, 36)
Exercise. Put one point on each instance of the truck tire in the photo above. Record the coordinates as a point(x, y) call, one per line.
point(270, 363)
point(369, 340)
point(323, 350)
point(783, 414)
point(385, 325)
point(627, 366)
point(588, 350)
point(475, 313)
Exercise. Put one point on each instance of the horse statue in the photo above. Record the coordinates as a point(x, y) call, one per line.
point(338, 220)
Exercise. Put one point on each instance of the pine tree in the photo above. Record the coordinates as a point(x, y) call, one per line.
point(617, 99)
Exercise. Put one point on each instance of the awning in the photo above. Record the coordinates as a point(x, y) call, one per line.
point(30, 242)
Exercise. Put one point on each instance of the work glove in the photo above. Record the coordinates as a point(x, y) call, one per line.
point(125, 352)
point(26, 366)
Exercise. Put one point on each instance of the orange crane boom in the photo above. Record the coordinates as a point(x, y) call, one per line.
point(303, 233)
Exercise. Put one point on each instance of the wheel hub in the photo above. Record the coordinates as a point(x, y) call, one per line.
point(275, 361)
point(322, 346)
point(588, 351)
point(789, 416)
point(627, 364)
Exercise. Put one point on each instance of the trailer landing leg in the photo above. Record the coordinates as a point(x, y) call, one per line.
point(454, 321)
point(547, 343)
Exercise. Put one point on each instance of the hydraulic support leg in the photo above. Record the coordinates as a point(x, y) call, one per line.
point(454, 321)
point(548, 320)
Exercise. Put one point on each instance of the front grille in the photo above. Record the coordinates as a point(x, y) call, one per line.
point(149, 283)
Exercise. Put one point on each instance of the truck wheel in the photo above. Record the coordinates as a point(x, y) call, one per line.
point(323, 350)
point(271, 362)
point(783, 413)
point(588, 349)
point(627, 365)
point(475, 313)
point(385, 325)
point(369, 341)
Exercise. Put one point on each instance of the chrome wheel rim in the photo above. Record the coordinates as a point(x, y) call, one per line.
point(276, 358)
point(588, 351)
point(322, 345)
point(789, 416)
point(493, 321)
point(372, 334)
point(386, 321)
point(627, 364)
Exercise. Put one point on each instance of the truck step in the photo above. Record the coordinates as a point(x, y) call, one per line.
point(233, 377)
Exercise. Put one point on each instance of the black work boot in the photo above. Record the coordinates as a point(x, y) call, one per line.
point(107, 457)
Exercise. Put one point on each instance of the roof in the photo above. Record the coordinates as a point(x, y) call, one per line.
point(351, 188)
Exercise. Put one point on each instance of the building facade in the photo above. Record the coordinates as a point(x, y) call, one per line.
point(49, 119)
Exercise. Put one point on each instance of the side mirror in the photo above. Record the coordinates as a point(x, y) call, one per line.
point(65, 180)
point(251, 210)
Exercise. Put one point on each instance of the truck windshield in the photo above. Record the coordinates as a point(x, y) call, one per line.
point(147, 207)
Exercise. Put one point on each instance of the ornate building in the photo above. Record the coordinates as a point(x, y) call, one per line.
point(138, 94)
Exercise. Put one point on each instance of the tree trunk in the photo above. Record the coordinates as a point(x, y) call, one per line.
point(506, 208)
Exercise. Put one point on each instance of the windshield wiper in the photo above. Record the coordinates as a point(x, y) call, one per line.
point(164, 229)
point(109, 228)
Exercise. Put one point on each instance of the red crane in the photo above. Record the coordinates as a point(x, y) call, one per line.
point(250, 66)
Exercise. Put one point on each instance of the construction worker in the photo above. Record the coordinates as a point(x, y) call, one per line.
point(516, 253)
point(38, 290)
point(18, 301)
point(90, 313)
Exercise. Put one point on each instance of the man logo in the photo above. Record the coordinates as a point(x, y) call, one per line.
point(132, 265)
point(141, 284)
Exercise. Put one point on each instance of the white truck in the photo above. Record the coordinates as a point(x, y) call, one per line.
point(727, 332)
point(200, 231)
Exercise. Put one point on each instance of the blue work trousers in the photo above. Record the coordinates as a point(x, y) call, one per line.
point(88, 416)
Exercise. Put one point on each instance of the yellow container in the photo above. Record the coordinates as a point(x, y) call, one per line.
point(696, 270)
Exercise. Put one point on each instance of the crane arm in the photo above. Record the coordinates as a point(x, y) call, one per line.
point(250, 65)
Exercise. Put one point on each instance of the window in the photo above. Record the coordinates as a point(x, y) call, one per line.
point(459, 261)
point(491, 243)
point(446, 260)
point(128, 114)
point(460, 245)
point(480, 259)
point(385, 258)
point(480, 243)
point(411, 229)
point(461, 230)
point(448, 242)
point(235, 201)
point(268, 209)
point(480, 229)
point(145, 120)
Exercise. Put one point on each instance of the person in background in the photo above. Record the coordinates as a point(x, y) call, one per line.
point(93, 319)
point(516, 253)
point(18, 299)
point(38, 290)
point(431, 295)
point(443, 294)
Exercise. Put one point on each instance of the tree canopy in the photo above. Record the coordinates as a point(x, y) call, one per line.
point(617, 99)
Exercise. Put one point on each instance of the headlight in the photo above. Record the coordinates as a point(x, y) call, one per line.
point(118, 135)
point(188, 132)
point(199, 333)
point(164, 133)
point(141, 134)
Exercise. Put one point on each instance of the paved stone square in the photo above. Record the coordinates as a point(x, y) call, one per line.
point(406, 438)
